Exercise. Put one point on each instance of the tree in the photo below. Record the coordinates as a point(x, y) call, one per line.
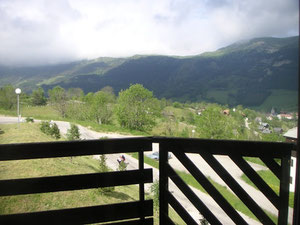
point(58, 99)
point(137, 108)
point(50, 128)
point(38, 97)
point(108, 89)
point(8, 97)
point(73, 133)
point(213, 124)
point(101, 107)
point(55, 131)
point(75, 93)
point(103, 169)
point(78, 110)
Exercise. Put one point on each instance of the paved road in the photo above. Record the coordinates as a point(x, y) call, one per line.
point(210, 203)
point(8, 120)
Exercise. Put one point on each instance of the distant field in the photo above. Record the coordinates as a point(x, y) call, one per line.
point(219, 96)
point(280, 99)
point(40, 112)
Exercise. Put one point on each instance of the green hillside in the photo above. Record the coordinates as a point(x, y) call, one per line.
point(249, 73)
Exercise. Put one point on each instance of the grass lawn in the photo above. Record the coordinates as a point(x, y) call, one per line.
point(272, 181)
point(26, 132)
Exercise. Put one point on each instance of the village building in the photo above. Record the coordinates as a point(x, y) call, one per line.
point(285, 116)
point(291, 136)
point(226, 112)
point(278, 130)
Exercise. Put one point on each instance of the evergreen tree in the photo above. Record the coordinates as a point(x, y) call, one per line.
point(73, 133)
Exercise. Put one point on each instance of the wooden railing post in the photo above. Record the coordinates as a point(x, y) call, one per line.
point(284, 190)
point(163, 184)
point(141, 187)
point(296, 219)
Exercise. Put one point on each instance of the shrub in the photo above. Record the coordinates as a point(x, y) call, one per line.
point(104, 168)
point(203, 221)
point(50, 129)
point(154, 189)
point(45, 127)
point(73, 133)
point(29, 120)
point(122, 166)
point(55, 131)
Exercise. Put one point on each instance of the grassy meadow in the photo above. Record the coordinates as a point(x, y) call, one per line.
point(25, 132)
point(285, 99)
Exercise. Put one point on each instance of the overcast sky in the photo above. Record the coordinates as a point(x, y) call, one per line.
point(52, 31)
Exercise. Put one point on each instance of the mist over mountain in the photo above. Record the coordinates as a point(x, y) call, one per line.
point(249, 73)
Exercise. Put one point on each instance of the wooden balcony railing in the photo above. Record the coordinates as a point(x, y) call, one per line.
point(236, 150)
point(141, 212)
point(130, 213)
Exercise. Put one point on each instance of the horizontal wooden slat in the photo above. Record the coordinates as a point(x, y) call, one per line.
point(74, 182)
point(108, 146)
point(225, 147)
point(83, 215)
point(73, 148)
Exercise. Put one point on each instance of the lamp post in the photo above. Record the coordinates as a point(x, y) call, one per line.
point(18, 92)
point(193, 133)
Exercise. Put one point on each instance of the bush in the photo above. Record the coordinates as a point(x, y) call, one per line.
point(73, 133)
point(45, 127)
point(55, 131)
point(203, 221)
point(50, 129)
point(29, 120)
point(122, 166)
point(104, 168)
point(154, 189)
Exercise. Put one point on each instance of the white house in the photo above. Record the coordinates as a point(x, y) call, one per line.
point(291, 136)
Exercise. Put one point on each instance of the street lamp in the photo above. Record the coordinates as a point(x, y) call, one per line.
point(193, 133)
point(18, 92)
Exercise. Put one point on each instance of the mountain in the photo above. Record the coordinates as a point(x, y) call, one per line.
point(250, 73)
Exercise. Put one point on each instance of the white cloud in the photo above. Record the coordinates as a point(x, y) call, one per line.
point(37, 32)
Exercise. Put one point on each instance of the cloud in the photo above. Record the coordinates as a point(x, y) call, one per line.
point(43, 32)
